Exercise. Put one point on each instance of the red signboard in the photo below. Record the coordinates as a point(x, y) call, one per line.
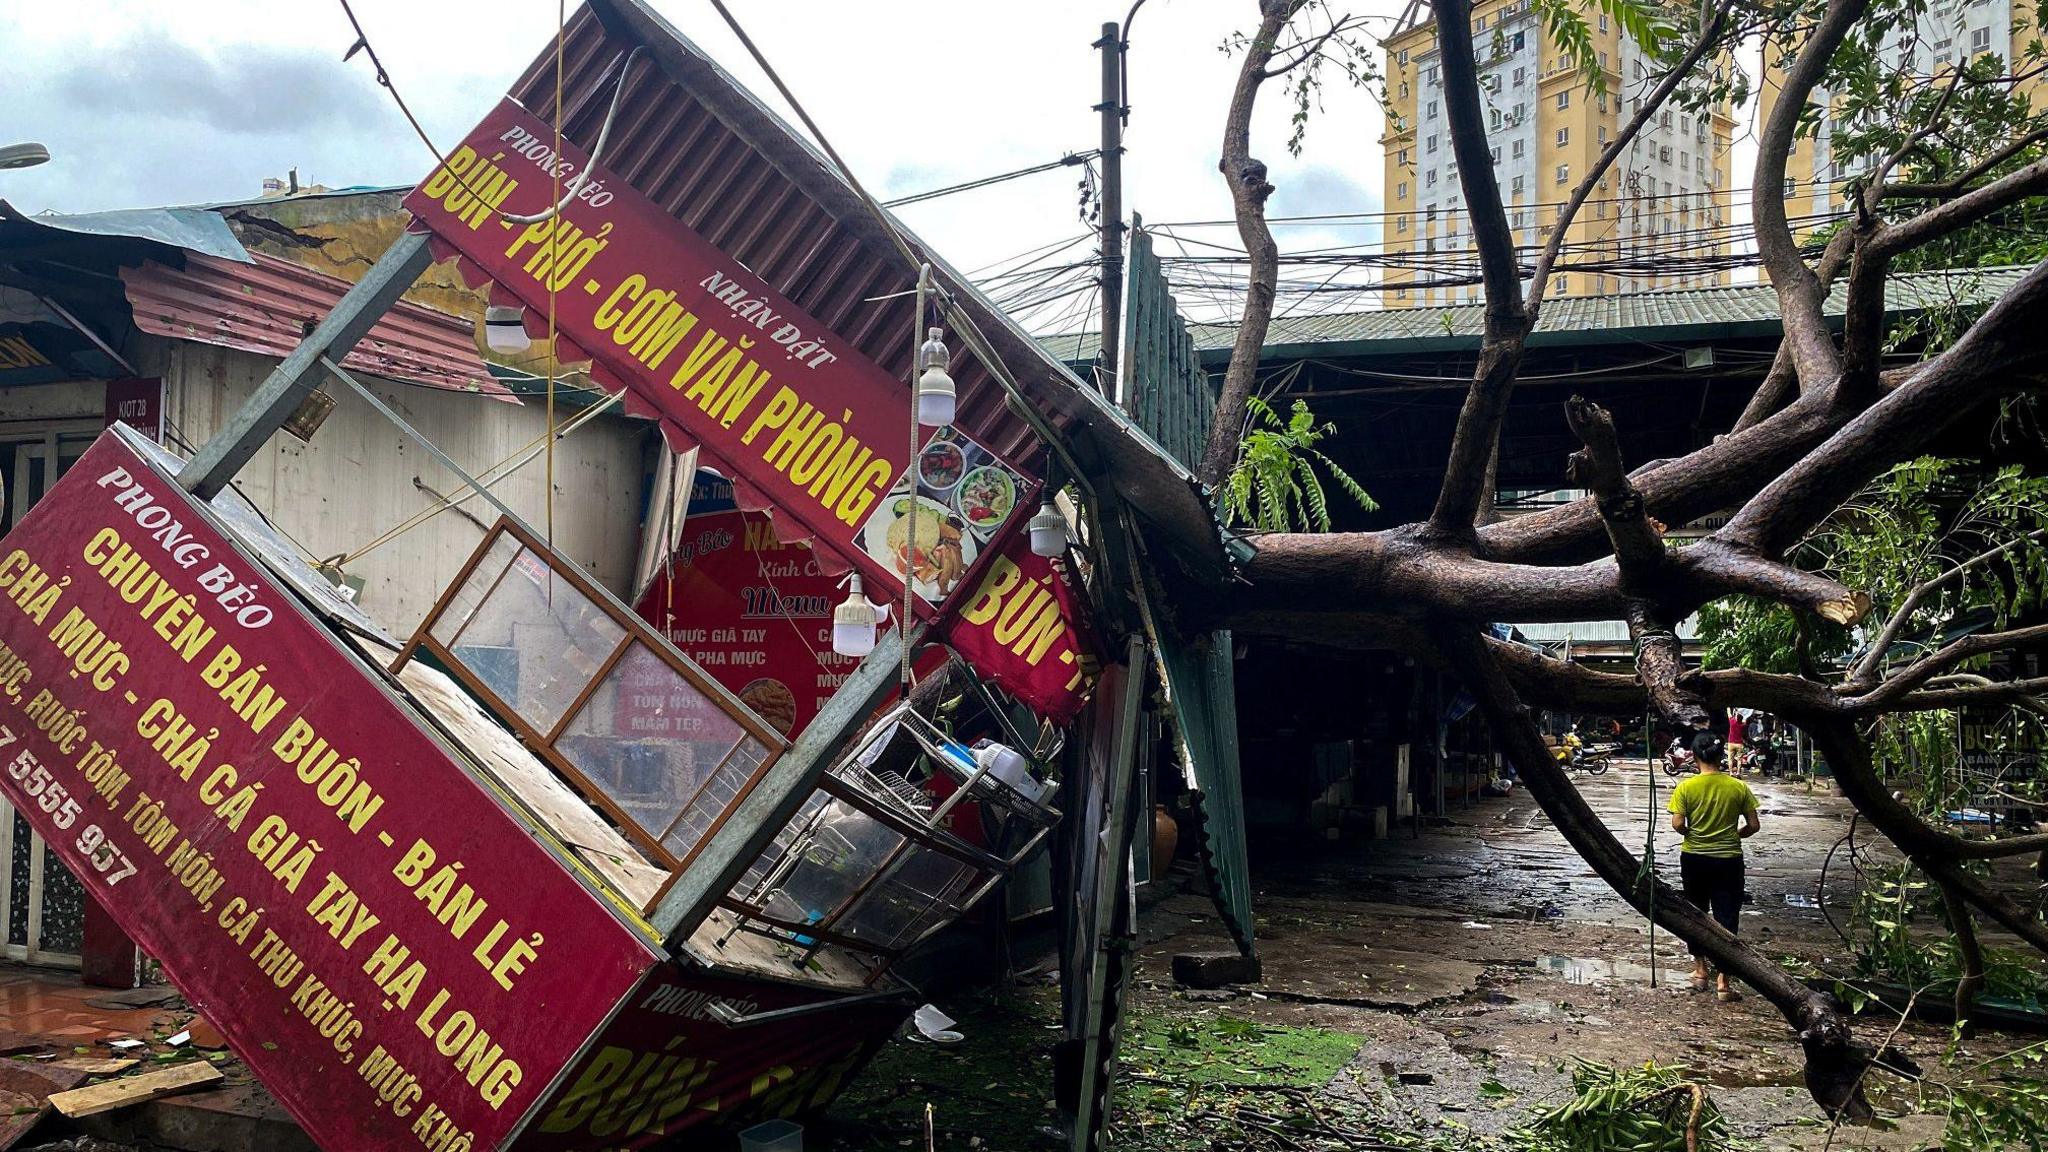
point(398, 958)
point(773, 397)
point(1021, 627)
point(753, 611)
point(138, 402)
point(665, 1063)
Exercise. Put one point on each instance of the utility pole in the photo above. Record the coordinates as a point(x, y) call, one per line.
point(1112, 225)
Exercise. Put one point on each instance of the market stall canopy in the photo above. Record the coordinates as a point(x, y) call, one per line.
point(703, 149)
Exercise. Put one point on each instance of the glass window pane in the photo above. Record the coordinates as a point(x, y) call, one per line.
point(536, 641)
point(650, 741)
point(927, 890)
point(844, 850)
point(466, 598)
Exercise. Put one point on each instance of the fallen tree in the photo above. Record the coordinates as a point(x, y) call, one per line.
point(1828, 418)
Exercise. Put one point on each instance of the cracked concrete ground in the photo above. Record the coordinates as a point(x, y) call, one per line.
point(1477, 957)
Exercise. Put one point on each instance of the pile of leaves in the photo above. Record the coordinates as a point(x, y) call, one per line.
point(1649, 1108)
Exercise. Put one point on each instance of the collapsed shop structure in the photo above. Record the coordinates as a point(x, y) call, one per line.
point(528, 873)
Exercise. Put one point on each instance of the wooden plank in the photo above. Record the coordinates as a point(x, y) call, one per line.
point(96, 1065)
point(132, 1090)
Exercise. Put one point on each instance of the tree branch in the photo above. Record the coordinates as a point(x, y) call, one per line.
point(1781, 383)
point(2027, 694)
point(2001, 343)
point(1885, 695)
point(1963, 211)
point(1849, 758)
point(1799, 294)
point(1866, 669)
point(1403, 573)
point(1834, 1061)
point(1307, 51)
point(1962, 181)
point(1962, 925)
point(1248, 192)
point(1719, 566)
point(1640, 554)
point(1507, 320)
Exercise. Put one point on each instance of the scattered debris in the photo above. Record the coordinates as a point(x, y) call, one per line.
point(1650, 1108)
point(95, 1065)
point(25, 1092)
point(147, 996)
point(935, 1026)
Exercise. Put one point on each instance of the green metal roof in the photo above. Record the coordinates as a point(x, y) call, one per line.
point(1735, 310)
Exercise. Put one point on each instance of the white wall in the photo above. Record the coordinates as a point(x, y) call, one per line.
point(355, 479)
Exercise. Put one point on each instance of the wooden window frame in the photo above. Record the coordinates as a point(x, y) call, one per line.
point(542, 744)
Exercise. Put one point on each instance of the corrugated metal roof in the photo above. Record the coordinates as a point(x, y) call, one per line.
point(700, 146)
point(268, 305)
point(189, 229)
point(1736, 309)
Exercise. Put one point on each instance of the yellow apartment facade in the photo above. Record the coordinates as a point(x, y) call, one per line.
point(1947, 33)
point(1667, 198)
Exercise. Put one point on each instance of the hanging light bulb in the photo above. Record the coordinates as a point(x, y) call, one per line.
point(855, 621)
point(1048, 531)
point(936, 401)
point(505, 329)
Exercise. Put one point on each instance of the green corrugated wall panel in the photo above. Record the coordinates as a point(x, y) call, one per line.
point(1201, 681)
point(1164, 387)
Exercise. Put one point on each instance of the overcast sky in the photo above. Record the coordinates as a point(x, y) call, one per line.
point(143, 103)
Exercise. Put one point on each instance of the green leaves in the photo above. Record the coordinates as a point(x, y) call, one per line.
point(1274, 486)
point(1642, 1109)
point(1648, 24)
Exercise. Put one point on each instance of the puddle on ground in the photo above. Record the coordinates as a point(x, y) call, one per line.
point(1590, 970)
point(1800, 900)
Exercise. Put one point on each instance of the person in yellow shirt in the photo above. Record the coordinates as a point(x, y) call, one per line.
point(1716, 812)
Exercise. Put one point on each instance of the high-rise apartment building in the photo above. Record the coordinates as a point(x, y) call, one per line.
point(1655, 220)
point(1946, 33)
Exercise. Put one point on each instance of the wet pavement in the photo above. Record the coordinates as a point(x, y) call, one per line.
point(1476, 956)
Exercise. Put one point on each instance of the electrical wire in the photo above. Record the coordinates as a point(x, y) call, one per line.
point(1069, 160)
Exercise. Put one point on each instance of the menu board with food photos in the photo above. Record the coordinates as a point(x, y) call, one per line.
point(962, 495)
point(754, 612)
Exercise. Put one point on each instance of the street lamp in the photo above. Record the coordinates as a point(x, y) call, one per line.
point(23, 155)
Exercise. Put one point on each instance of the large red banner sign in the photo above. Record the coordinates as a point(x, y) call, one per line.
point(1021, 627)
point(665, 1063)
point(393, 953)
point(775, 398)
point(756, 613)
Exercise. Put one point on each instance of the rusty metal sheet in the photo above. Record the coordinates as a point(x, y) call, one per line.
point(268, 305)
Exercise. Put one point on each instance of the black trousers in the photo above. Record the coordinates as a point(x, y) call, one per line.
point(1713, 884)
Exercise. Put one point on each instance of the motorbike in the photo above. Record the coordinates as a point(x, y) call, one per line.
point(1758, 761)
point(1571, 751)
point(1678, 759)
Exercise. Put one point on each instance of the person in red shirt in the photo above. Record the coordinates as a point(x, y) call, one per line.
point(1735, 732)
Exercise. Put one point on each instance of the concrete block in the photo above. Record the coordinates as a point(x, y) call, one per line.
point(1376, 817)
point(1215, 969)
